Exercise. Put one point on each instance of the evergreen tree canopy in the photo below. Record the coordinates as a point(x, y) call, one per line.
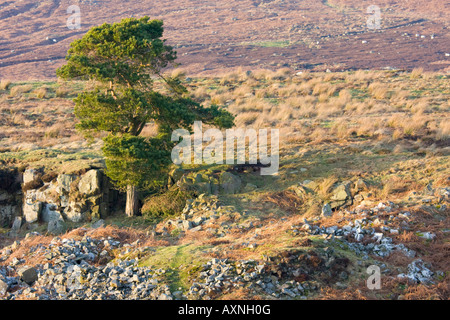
point(125, 62)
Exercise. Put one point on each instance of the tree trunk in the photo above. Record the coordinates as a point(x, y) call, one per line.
point(132, 206)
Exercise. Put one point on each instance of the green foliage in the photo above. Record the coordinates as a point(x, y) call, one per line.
point(184, 263)
point(126, 53)
point(124, 60)
point(168, 203)
point(132, 160)
point(129, 112)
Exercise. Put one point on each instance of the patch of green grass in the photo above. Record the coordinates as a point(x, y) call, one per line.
point(273, 101)
point(269, 43)
point(183, 262)
point(55, 160)
point(359, 94)
point(71, 90)
point(140, 222)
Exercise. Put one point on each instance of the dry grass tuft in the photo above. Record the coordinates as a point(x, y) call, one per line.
point(286, 200)
point(17, 91)
point(325, 186)
point(41, 92)
point(25, 247)
point(5, 84)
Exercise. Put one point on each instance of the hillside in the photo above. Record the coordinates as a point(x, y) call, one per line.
point(357, 206)
point(212, 36)
point(364, 181)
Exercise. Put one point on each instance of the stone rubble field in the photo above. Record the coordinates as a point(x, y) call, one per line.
point(106, 268)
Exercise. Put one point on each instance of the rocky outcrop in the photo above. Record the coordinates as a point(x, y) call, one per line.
point(206, 182)
point(69, 197)
point(53, 199)
point(90, 184)
point(10, 196)
point(229, 183)
point(32, 210)
point(198, 184)
point(342, 196)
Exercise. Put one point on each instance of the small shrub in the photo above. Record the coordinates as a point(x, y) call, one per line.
point(40, 93)
point(178, 73)
point(378, 90)
point(61, 92)
point(443, 132)
point(50, 176)
point(416, 73)
point(169, 203)
point(55, 131)
point(19, 90)
point(34, 184)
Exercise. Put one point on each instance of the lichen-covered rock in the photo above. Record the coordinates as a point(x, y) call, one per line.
point(69, 197)
point(56, 227)
point(198, 184)
point(360, 185)
point(229, 183)
point(76, 211)
point(32, 211)
point(342, 196)
point(64, 181)
point(28, 274)
point(340, 193)
point(29, 175)
point(326, 210)
point(17, 224)
point(49, 213)
point(90, 183)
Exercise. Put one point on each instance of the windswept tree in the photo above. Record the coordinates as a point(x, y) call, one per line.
point(125, 62)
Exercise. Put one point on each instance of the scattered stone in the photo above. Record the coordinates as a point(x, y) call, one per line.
point(426, 235)
point(98, 224)
point(418, 272)
point(198, 228)
point(28, 274)
point(326, 210)
point(164, 296)
point(3, 287)
point(16, 224)
point(186, 225)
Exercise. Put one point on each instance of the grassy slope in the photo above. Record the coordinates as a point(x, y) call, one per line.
point(389, 128)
